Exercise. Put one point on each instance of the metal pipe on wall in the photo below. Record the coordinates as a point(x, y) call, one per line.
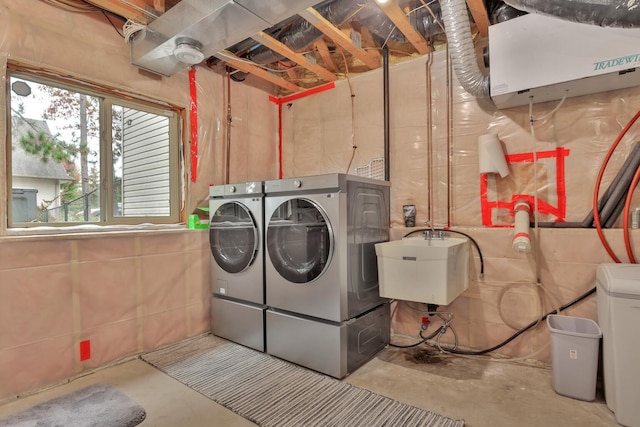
point(385, 84)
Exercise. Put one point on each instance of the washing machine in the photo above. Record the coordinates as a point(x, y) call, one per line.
point(237, 263)
point(324, 307)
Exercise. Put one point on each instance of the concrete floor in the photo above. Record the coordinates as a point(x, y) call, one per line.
point(483, 393)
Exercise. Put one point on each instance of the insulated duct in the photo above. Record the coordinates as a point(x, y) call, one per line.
point(299, 34)
point(611, 13)
point(463, 54)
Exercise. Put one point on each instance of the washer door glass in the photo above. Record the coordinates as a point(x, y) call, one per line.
point(299, 240)
point(233, 235)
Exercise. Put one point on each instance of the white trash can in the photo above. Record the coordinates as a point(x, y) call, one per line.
point(575, 345)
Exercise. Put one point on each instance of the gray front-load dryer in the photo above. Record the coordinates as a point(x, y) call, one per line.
point(325, 311)
point(237, 263)
point(320, 241)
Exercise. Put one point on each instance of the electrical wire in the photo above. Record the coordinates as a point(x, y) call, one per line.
point(422, 341)
point(446, 323)
point(73, 5)
point(456, 232)
point(112, 24)
point(130, 29)
point(517, 334)
point(352, 94)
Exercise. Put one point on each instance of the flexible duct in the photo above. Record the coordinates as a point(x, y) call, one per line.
point(299, 34)
point(500, 12)
point(611, 13)
point(463, 54)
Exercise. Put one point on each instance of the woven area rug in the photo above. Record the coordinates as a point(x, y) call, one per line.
point(98, 405)
point(274, 393)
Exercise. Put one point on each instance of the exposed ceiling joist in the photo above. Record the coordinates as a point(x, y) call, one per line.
point(399, 19)
point(339, 37)
point(242, 65)
point(479, 12)
point(299, 59)
point(323, 51)
point(135, 10)
point(160, 6)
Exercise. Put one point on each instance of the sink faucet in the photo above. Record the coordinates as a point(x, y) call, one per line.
point(431, 233)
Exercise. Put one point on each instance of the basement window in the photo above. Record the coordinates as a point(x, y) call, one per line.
point(86, 154)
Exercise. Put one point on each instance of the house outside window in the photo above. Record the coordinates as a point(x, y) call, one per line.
point(84, 154)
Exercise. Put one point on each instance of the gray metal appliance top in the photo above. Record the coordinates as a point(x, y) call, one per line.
point(252, 188)
point(326, 182)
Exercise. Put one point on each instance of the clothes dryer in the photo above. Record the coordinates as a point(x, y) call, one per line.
point(237, 263)
point(325, 310)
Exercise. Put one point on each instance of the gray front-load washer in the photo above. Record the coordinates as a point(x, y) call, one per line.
point(237, 263)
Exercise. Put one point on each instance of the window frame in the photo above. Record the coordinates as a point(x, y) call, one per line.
point(107, 97)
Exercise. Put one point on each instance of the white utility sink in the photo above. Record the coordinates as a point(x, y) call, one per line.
point(432, 271)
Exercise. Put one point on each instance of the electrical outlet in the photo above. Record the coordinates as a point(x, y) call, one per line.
point(85, 350)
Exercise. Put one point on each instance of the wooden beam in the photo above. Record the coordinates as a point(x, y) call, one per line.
point(242, 65)
point(132, 9)
point(292, 73)
point(159, 5)
point(368, 41)
point(339, 37)
point(299, 59)
point(323, 50)
point(479, 12)
point(398, 17)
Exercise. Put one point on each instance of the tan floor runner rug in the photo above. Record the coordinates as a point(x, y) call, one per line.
point(274, 393)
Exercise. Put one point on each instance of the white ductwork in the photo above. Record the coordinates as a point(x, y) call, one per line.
point(213, 25)
point(536, 58)
point(463, 54)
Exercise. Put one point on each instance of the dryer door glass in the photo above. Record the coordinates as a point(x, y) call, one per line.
point(233, 235)
point(299, 240)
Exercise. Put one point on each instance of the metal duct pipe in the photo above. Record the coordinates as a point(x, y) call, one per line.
point(612, 13)
point(463, 54)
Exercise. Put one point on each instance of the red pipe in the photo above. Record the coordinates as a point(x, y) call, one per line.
point(286, 100)
point(193, 115)
point(596, 214)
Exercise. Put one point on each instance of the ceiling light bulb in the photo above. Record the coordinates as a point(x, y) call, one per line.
point(381, 1)
point(188, 54)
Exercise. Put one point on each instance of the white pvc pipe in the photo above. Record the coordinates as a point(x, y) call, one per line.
point(521, 240)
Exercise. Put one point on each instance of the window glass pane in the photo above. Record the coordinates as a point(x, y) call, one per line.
point(141, 158)
point(55, 150)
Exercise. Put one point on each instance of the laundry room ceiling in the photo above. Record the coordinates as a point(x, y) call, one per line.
point(326, 42)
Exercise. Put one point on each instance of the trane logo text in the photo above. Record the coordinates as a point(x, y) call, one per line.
point(623, 60)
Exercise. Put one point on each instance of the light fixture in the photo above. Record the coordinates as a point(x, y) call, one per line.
point(381, 1)
point(188, 51)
